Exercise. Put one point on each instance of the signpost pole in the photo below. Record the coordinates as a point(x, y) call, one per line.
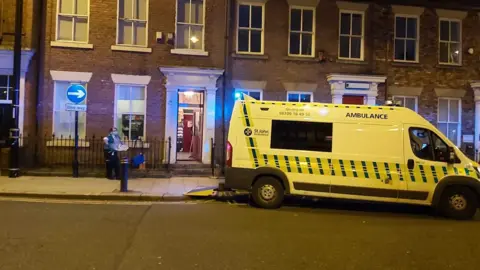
point(75, 151)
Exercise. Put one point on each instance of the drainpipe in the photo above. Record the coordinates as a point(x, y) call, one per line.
point(226, 74)
point(39, 71)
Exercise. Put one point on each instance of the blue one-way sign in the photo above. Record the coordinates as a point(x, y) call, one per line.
point(76, 93)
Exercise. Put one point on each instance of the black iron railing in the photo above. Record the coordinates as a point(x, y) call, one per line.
point(55, 152)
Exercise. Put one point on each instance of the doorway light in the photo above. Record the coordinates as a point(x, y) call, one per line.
point(189, 93)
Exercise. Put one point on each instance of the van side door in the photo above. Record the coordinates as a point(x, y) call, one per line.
point(426, 159)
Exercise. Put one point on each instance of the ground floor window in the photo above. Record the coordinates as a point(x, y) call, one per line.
point(5, 88)
point(449, 121)
point(130, 108)
point(256, 94)
point(64, 121)
point(299, 96)
point(407, 102)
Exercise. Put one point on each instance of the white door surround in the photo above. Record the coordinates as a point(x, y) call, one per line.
point(359, 85)
point(476, 91)
point(6, 68)
point(190, 78)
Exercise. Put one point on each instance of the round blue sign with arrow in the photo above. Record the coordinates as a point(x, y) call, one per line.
point(76, 93)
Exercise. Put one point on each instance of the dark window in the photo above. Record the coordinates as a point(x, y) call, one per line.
point(427, 145)
point(5, 86)
point(250, 28)
point(298, 135)
point(406, 39)
point(351, 35)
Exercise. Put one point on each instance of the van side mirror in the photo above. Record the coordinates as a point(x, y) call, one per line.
point(451, 155)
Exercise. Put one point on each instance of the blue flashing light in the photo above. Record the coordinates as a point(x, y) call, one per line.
point(238, 95)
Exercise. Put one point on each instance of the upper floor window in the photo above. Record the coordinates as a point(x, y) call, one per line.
point(351, 35)
point(5, 88)
point(450, 42)
point(250, 28)
point(449, 118)
point(406, 38)
point(190, 24)
point(132, 22)
point(407, 102)
point(72, 20)
point(302, 32)
point(299, 96)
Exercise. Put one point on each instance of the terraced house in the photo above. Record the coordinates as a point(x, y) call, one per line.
point(167, 72)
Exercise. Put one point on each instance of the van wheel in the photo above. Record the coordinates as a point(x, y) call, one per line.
point(267, 192)
point(458, 202)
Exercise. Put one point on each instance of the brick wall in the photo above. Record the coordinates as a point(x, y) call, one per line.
point(102, 61)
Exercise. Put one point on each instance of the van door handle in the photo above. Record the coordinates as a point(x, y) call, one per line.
point(410, 164)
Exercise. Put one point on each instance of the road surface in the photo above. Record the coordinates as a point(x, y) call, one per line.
point(226, 236)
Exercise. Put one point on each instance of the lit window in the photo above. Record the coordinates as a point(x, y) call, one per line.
point(299, 97)
point(5, 88)
point(351, 35)
point(64, 121)
point(132, 22)
point(450, 42)
point(406, 38)
point(250, 28)
point(130, 109)
point(72, 20)
point(407, 102)
point(302, 32)
point(449, 121)
point(256, 94)
point(190, 24)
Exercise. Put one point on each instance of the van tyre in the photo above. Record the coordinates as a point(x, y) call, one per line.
point(267, 192)
point(458, 202)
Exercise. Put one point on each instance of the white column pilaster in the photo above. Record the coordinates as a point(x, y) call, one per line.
point(171, 119)
point(476, 139)
point(209, 124)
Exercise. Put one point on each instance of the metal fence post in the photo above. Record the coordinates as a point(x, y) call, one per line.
point(212, 156)
point(169, 152)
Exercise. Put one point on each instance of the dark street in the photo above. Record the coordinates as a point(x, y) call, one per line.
point(231, 236)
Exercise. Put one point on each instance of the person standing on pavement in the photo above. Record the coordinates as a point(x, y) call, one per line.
point(110, 150)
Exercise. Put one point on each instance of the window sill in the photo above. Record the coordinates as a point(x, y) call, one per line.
point(352, 62)
point(189, 52)
point(405, 64)
point(250, 56)
point(68, 143)
point(126, 48)
point(301, 59)
point(66, 44)
point(448, 66)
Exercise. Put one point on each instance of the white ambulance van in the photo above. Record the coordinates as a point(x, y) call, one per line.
point(375, 153)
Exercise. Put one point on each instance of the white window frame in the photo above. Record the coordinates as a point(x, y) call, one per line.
point(301, 32)
point(133, 21)
point(73, 24)
point(300, 93)
point(459, 123)
point(117, 85)
point(404, 98)
point(55, 102)
point(417, 39)
point(449, 20)
point(9, 86)
point(262, 46)
point(362, 43)
point(187, 50)
point(248, 91)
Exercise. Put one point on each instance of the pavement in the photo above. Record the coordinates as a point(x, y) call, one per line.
point(203, 236)
point(140, 189)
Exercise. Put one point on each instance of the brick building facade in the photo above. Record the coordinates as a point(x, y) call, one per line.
point(29, 69)
point(178, 65)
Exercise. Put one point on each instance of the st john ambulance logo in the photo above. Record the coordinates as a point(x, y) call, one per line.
point(247, 132)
